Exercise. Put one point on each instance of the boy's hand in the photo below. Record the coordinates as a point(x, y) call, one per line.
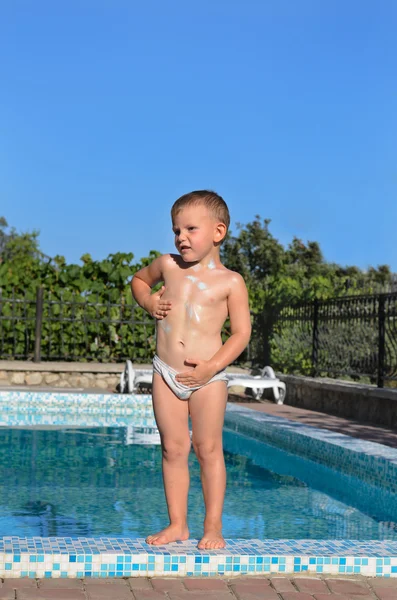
point(156, 307)
point(200, 375)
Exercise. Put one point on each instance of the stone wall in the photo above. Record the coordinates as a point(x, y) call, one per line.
point(363, 403)
point(95, 376)
point(102, 381)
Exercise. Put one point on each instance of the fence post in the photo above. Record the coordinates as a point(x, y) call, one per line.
point(39, 322)
point(315, 338)
point(381, 340)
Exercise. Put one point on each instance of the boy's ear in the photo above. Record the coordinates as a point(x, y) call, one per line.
point(220, 232)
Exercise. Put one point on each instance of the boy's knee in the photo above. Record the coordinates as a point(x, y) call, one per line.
point(208, 450)
point(174, 450)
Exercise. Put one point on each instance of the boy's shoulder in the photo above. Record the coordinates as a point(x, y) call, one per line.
point(233, 276)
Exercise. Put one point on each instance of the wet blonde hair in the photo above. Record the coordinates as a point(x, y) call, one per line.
point(207, 198)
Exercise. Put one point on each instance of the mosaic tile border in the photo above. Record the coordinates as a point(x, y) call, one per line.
point(123, 557)
point(76, 402)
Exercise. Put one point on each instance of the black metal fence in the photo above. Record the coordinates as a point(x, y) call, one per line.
point(353, 336)
point(72, 327)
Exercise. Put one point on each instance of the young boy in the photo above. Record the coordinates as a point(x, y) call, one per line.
point(189, 379)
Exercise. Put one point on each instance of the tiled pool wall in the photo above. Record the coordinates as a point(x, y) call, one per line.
point(373, 463)
point(119, 557)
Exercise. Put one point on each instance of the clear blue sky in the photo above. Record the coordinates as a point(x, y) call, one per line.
point(110, 110)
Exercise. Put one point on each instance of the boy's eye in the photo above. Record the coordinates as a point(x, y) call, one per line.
point(191, 228)
point(176, 231)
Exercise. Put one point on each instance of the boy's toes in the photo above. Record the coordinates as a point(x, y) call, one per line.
point(211, 541)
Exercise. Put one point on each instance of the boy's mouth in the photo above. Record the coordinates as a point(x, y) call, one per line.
point(185, 248)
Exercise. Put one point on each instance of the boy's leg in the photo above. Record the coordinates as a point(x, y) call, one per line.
point(171, 415)
point(207, 410)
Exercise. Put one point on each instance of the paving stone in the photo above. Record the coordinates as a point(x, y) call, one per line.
point(37, 594)
point(20, 583)
point(107, 580)
point(344, 597)
point(11, 595)
point(386, 593)
point(282, 584)
point(256, 592)
point(168, 585)
point(61, 582)
point(311, 585)
point(348, 587)
point(107, 591)
point(299, 596)
point(209, 584)
point(139, 583)
point(254, 585)
point(383, 582)
point(384, 588)
point(149, 595)
point(201, 595)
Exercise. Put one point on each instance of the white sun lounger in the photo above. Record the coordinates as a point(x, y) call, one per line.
point(258, 383)
point(130, 380)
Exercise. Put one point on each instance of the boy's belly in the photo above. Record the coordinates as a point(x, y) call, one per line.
point(175, 344)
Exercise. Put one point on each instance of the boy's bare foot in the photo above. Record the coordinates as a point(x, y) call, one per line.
point(172, 533)
point(211, 540)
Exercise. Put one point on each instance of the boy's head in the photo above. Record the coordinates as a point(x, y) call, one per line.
point(200, 221)
point(214, 203)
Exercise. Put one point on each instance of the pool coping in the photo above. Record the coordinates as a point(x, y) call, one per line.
point(126, 557)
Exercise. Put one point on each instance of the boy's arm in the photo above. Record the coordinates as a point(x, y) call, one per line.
point(240, 323)
point(141, 287)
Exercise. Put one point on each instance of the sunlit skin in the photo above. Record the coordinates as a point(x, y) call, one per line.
point(197, 295)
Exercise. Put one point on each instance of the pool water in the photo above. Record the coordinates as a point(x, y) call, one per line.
point(106, 481)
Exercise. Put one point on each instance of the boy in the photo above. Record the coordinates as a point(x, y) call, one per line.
point(197, 296)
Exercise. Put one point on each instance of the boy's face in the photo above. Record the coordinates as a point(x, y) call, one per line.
point(195, 231)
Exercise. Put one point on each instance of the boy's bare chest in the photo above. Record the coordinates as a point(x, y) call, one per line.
point(205, 291)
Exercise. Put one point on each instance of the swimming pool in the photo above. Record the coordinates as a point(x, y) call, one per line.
point(79, 467)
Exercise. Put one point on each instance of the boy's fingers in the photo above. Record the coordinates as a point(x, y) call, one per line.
point(161, 291)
